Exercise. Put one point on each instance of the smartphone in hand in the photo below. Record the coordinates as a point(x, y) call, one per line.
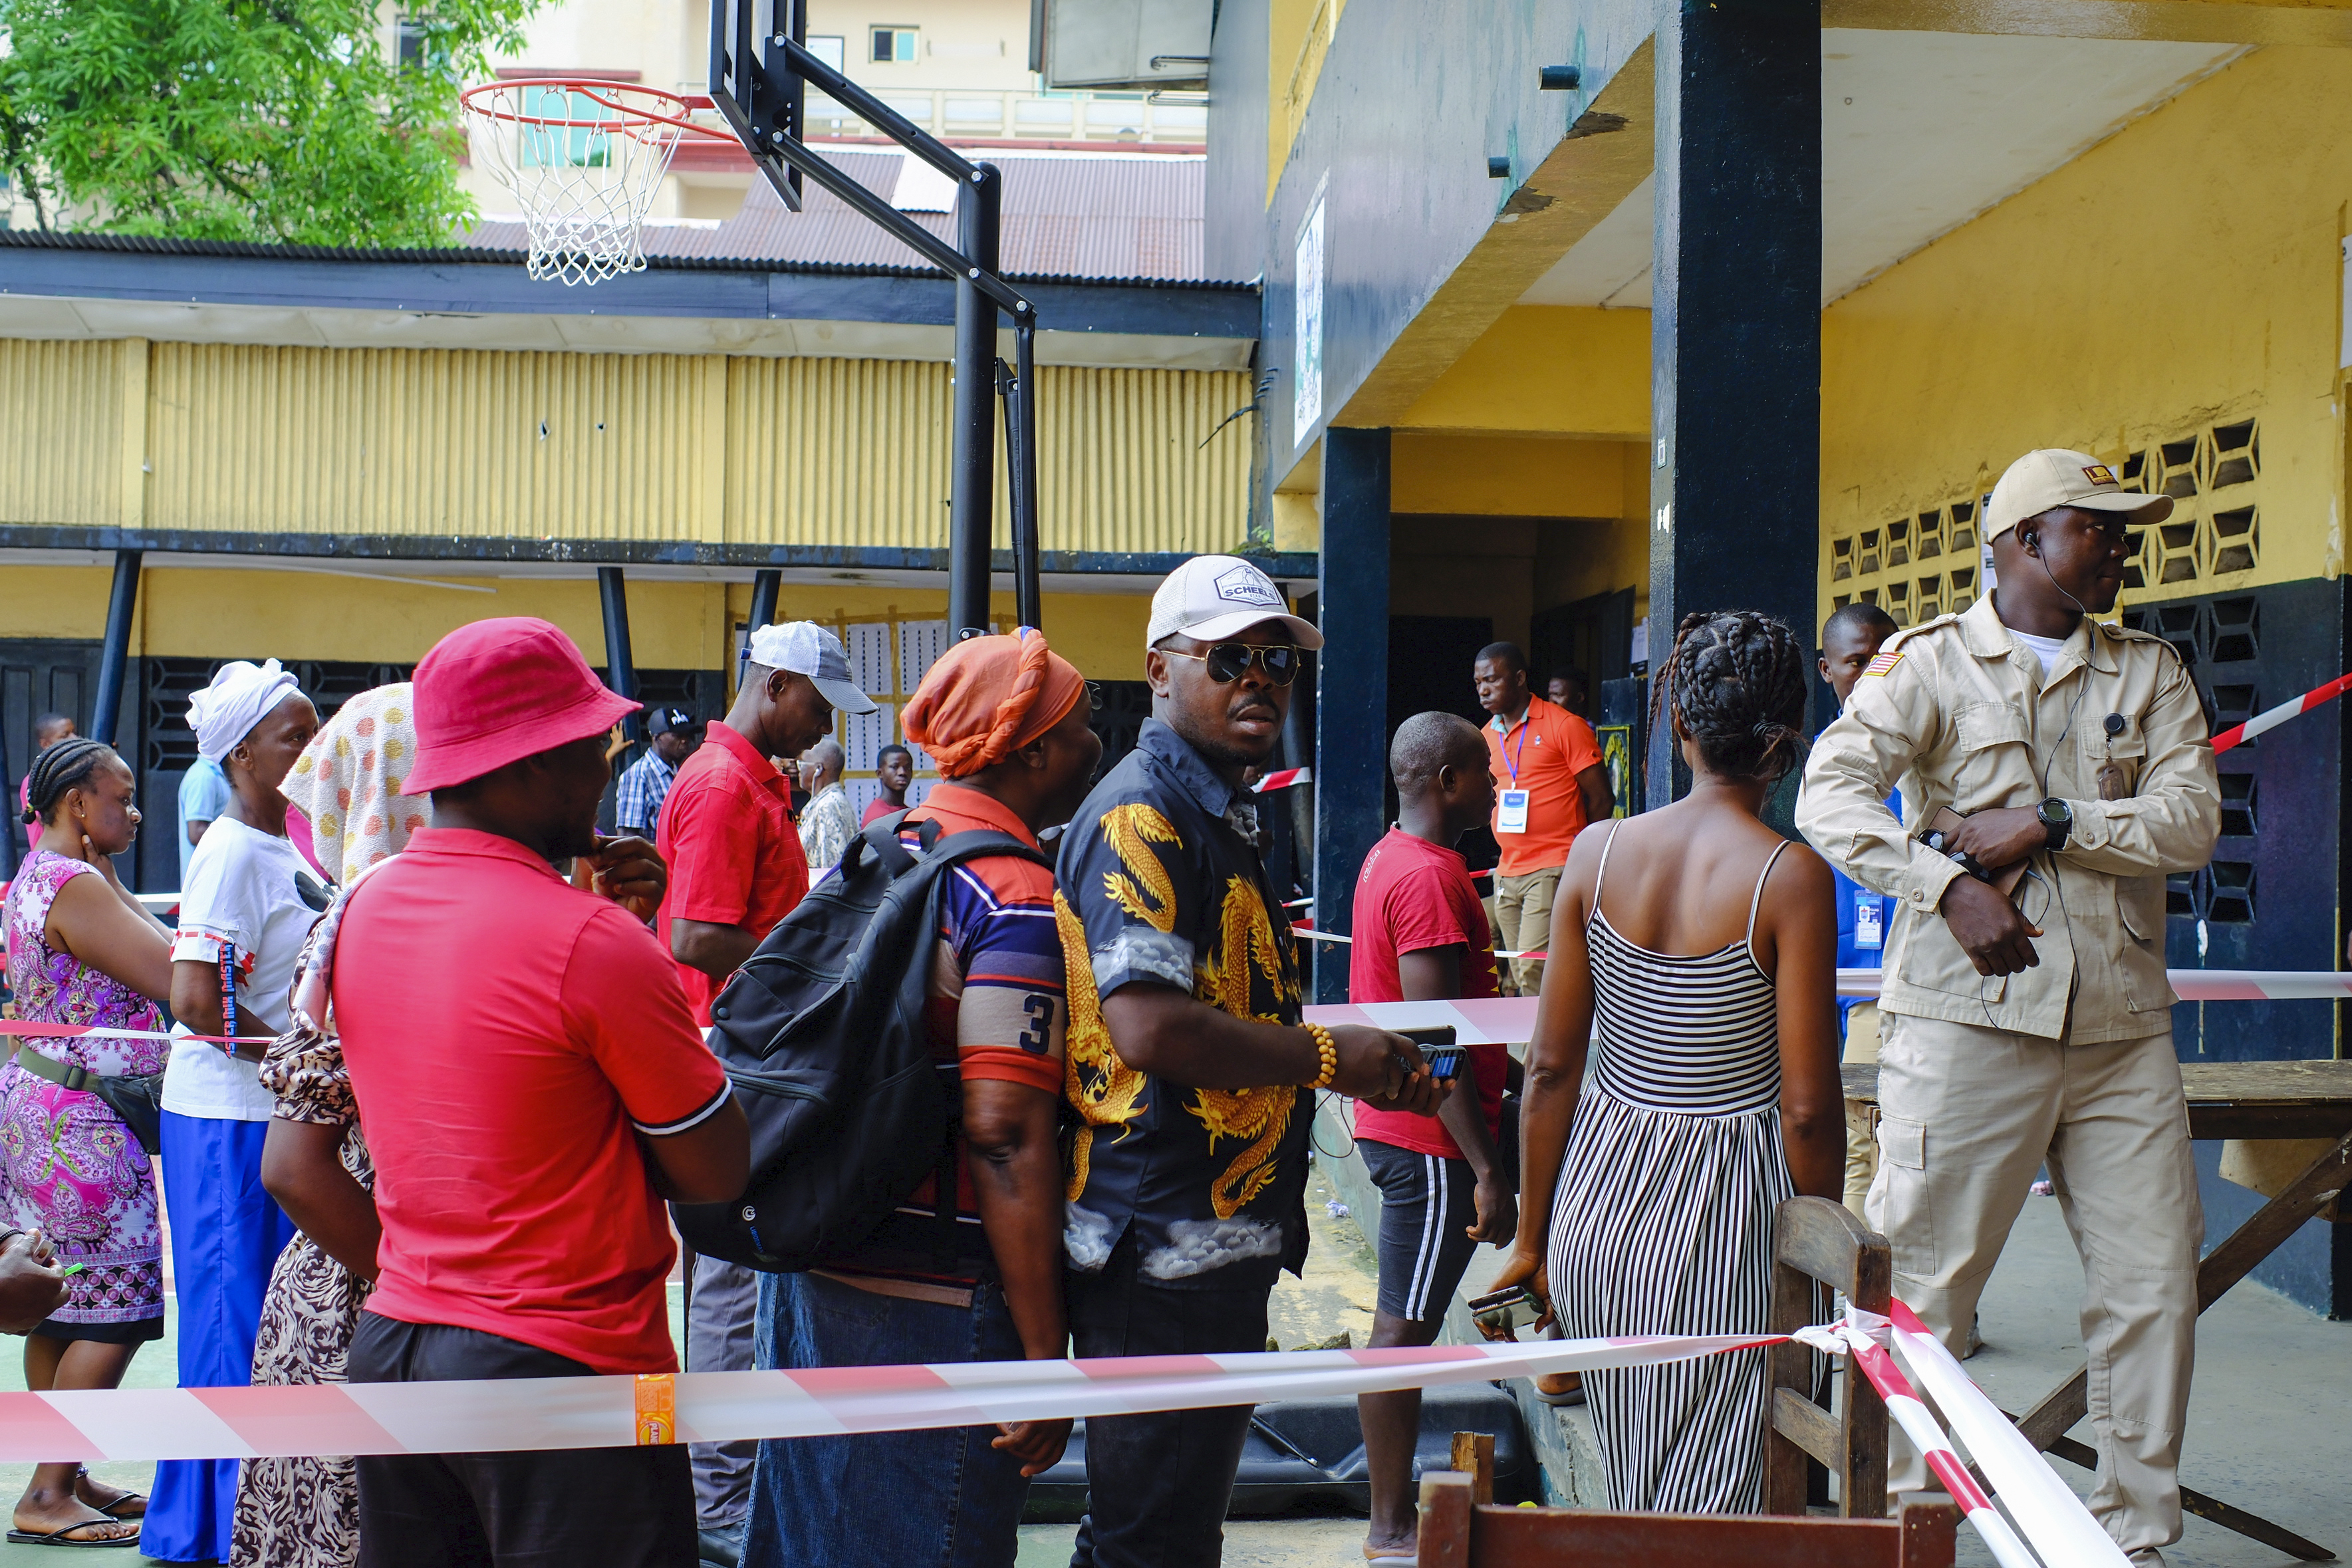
point(1438, 1052)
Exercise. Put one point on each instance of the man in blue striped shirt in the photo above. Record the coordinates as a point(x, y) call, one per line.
point(1850, 640)
point(645, 784)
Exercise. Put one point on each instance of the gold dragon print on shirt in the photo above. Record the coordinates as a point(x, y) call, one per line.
point(1246, 943)
point(1103, 1090)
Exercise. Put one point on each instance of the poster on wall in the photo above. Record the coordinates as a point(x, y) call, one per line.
point(1306, 341)
point(1617, 757)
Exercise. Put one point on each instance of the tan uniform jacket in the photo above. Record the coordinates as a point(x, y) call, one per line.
point(1961, 705)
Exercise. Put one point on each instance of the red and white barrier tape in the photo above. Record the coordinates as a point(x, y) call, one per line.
point(1282, 778)
point(2271, 719)
point(730, 1406)
point(1511, 1020)
point(1858, 1339)
point(1300, 928)
point(28, 1030)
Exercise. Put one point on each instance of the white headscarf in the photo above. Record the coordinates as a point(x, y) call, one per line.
point(240, 696)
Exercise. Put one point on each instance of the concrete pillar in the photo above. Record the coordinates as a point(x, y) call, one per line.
point(1735, 329)
point(1351, 693)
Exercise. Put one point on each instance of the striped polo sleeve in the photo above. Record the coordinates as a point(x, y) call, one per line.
point(1012, 1014)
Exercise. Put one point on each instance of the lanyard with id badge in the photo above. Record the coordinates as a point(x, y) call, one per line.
point(1511, 804)
point(1869, 919)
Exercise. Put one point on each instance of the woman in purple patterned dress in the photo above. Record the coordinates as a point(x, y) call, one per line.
point(82, 951)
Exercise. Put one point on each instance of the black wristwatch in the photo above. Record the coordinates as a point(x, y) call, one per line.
point(2057, 822)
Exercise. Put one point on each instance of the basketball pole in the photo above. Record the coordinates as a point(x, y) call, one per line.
point(971, 511)
point(756, 82)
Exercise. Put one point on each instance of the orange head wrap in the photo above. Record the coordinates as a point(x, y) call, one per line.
point(987, 696)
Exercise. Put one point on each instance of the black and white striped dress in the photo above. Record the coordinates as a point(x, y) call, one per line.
point(1662, 1223)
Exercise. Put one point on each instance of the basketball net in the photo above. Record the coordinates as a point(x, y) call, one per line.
point(585, 158)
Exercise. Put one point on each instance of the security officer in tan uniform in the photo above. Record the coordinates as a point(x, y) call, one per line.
point(2036, 1027)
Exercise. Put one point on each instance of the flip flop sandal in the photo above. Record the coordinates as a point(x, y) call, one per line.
point(1393, 1559)
point(64, 1537)
point(1566, 1396)
point(113, 1510)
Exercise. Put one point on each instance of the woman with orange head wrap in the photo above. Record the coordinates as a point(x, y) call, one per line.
point(1004, 719)
point(989, 697)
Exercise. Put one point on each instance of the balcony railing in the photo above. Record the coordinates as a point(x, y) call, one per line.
point(1107, 118)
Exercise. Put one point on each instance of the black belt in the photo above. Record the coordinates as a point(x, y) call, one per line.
point(56, 1072)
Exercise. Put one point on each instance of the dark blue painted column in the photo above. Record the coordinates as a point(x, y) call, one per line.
point(1352, 692)
point(114, 657)
point(1735, 329)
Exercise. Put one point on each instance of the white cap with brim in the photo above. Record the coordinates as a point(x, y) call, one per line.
point(1212, 596)
point(806, 648)
point(2055, 477)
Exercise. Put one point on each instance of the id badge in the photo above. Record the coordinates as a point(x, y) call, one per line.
point(1869, 921)
point(1511, 811)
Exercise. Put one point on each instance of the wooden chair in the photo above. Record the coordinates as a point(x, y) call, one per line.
point(1459, 1531)
point(1816, 1243)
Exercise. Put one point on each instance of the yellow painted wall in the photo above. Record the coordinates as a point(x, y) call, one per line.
point(2184, 275)
point(1298, 36)
point(706, 449)
point(54, 600)
point(1505, 476)
point(1555, 369)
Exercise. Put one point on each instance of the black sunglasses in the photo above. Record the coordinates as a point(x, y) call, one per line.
point(1226, 660)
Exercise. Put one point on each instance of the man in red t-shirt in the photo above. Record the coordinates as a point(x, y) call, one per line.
point(736, 871)
point(1420, 935)
point(532, 1087)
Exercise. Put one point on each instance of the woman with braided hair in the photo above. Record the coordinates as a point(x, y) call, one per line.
point(1710, 963)
point(81, 950)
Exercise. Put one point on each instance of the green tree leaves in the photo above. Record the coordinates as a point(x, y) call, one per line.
point(300, 122)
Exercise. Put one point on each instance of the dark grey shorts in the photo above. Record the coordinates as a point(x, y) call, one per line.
point(1428, 1204)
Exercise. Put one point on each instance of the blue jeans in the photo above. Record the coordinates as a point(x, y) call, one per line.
point(940, 1499)
point(227, 1234)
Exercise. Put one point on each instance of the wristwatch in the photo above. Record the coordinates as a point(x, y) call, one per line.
point(2057, 822)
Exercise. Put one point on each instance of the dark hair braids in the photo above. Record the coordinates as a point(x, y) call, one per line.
point(61, 767)
point(1737, 680)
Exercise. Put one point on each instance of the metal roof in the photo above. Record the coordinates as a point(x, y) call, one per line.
point(1136, 217)
point(1074, 217)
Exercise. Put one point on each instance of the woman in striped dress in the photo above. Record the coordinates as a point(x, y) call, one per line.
point(1706, 945)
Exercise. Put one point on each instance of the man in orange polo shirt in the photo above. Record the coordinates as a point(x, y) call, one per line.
point(1550, 782)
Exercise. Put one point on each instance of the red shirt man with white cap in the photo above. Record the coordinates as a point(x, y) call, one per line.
point(736, 871)
point(2036, 1027)
point(533, 1086)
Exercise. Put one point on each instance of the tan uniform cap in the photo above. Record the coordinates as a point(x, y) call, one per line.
point(2055, 476)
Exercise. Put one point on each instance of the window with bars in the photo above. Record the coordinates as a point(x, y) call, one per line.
point(2220, 639)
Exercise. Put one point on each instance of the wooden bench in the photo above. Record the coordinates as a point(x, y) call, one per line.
point(1457, 1530)
point(1818, 1244)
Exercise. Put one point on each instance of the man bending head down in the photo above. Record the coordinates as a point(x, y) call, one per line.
point(1421, 935)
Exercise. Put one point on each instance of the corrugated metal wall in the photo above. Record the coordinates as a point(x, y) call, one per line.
point(405, 441)
point(61, 452)
point(846, 453)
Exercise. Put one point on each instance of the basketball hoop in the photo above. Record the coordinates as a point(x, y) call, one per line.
point(585, 158)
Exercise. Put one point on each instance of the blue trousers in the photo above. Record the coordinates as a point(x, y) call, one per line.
point(227, 1234)
point(941, 1498)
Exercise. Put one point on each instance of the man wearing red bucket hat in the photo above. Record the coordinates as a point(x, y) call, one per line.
point(533, 1086)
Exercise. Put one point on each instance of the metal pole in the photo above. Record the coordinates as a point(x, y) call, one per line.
point(1021, 480)
point(620, 670)
point(971, 458)
point(116, 659)
point(8, 824)
point(764, 585)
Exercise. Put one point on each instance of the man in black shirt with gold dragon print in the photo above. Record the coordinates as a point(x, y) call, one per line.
point(1189, 1068)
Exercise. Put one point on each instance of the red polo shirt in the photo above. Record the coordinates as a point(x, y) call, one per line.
point(734, 853)
point(508, 1037)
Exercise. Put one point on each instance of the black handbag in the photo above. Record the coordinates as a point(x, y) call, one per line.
point(137, 1098)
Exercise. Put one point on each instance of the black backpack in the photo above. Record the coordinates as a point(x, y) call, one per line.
point(821, 1033)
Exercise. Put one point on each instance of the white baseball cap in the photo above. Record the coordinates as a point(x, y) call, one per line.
point(2055, 476)
point(1212, 596)
point(806, 648)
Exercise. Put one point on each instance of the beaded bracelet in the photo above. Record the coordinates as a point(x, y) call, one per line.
point(1328, 1051)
